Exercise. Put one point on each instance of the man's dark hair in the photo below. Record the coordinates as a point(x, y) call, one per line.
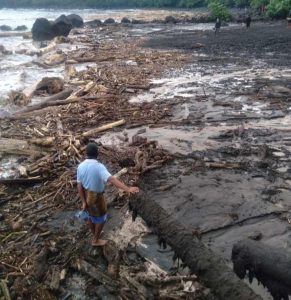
point(92, 150)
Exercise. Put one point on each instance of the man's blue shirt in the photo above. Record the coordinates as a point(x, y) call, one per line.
point(92, 175)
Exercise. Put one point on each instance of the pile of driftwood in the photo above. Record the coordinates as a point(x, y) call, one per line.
point(49, 137)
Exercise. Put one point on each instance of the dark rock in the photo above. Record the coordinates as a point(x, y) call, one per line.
point(256, 235)
point(75, 20)
point(158, 21)
point(171, 19)
point(4, 51)
point(135, 21)
point(125, 20)
point(21, 28)
point(94, 23)
point(1, 217)
point(5, 28)
point(137, 140)
point(61, 26)
point(109, 21)
point(42, 30)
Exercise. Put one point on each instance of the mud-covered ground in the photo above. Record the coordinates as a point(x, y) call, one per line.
point(232, 180)
point(270, 41)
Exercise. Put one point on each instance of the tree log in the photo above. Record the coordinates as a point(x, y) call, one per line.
point(10, 34)
point(15, 181)
point(44, 105)
point(5, 290)
point(104, 127)
point(270, 265)
point(209, 267)
point(18, 147)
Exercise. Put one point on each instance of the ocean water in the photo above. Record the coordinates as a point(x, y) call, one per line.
point(15, 70)
point(15, 17)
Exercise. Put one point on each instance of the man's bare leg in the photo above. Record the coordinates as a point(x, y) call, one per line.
point(96, 241)
point(91, 226)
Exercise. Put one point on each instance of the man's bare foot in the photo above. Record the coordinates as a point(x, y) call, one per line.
point(98, 243)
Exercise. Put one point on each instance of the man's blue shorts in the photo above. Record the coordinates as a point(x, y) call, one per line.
point(98, 220)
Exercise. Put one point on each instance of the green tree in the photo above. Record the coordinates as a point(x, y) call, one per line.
point(242, 3)
point(259, 5)
point(218, 10)
point(278, 8)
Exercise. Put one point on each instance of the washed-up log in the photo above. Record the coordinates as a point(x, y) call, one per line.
point(46, 104)
point(97, 274)
point(26, 94)
point(45, 142)
point(10, 34)
point(270, 265)
point(5, 290)
point(104, 127)
point(209, 267)
point(18, 147)
point(59, 96)
point(138, 87)
point(16, 181)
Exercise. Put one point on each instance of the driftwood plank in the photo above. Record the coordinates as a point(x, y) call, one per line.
point(104, 127)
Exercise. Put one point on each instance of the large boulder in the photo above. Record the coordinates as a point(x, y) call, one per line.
point(125, 20)
point(136, 21)
point(5, 28)
point(171, 19)
point(94, 23)
point(42, 30)
point(61, 26)
point(21, 28)
point(4, 51)
point(109, 21)
point(75, 20)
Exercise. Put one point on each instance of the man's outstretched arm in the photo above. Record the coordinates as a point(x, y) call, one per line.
point(120, 185)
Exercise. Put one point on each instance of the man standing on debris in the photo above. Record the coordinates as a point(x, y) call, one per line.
point(217, 25)
point(92, 177)
point(248, 21)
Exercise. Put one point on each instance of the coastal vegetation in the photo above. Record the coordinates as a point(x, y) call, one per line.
point(270, 8)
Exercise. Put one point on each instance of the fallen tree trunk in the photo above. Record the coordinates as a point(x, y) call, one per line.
point(209, 267)
point(44, 105)
point(18, 147)
point(270, 265)
point(13, 34)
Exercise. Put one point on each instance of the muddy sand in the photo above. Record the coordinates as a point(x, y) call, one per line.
point(233, 181)
point(205, 133)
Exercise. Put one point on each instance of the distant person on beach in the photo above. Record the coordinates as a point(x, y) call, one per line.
point(248, 21)
point(217, 25)
point(92, 177)
point(289, 20)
